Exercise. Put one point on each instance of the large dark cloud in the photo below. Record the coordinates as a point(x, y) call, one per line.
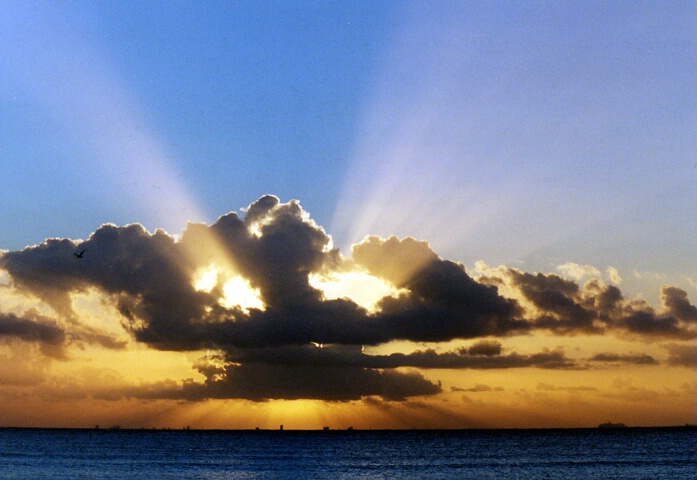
point(268, 352)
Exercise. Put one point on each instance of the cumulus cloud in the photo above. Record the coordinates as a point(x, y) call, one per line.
point(677, 305)
point(566, 307)
point(585, 272)
point(614, 275)
point(578, 272)
point(270, 350)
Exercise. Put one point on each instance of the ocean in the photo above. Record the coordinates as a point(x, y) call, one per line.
point(627, 453)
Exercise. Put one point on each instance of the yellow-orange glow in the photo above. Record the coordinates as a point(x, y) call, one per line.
point(358, 286)
point(237, 292)
point(206, 278)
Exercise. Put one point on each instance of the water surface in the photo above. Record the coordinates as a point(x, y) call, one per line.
point(632, 453)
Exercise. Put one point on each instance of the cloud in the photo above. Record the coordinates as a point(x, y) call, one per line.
point(585, 272)
point(263, 381)
point(565, 307)
point(635, 359)
point(614, 275)
point(487, 348)
point(578, 272)
point(681, 355)
point(393, 259)
point(276, 249)
point(38, 329)
point(34, 328)
point(347, 356)
point(478, 388)
point(268, 351)
point(677, 305)
point(553, 388)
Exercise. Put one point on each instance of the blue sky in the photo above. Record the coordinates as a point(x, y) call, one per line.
point(527, 134)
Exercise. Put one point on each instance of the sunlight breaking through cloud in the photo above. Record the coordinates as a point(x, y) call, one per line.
point(358, 286)
point(237, 292)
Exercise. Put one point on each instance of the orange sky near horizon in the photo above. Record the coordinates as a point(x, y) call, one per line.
point(511, 398)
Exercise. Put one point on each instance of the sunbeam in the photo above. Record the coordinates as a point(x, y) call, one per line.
point(68, 75)
point(411, 148)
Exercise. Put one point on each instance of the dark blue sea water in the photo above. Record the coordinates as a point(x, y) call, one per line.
point(632, 453)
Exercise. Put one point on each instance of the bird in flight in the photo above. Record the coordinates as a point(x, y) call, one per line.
point(79, 255)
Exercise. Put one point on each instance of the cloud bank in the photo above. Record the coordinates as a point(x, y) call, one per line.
point(177, 294)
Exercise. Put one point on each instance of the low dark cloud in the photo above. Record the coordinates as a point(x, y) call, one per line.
point(34, 328)
point(263, 381)
point(52, 337)
point(635, 359)
point(268, 352)
point(343, 356)
point(478, 388)
point(486, 348)
point(681, 355)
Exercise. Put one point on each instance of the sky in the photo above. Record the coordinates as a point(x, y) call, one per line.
point(368, 214)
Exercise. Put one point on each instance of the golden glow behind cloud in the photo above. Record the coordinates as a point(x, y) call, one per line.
point(358, 286)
